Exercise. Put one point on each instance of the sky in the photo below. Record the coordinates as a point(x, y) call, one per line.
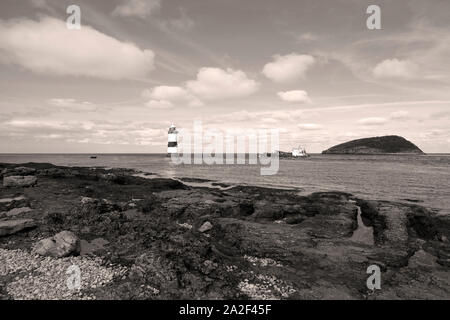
point(310, 68)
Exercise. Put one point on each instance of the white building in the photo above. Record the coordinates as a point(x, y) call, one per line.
point(172, 145)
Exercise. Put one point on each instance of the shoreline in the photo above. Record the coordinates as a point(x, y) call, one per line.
point(160, 238)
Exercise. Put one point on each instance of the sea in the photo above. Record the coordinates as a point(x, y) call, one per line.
point(420, 179)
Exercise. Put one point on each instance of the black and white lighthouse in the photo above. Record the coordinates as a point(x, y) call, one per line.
point(172, 146)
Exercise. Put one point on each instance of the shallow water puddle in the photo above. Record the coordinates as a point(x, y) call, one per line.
point(363, 234)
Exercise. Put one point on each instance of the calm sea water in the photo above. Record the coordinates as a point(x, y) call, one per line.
point(390, 177)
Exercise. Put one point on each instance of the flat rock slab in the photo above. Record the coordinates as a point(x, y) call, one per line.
point(8, 200)
point(17, 211)
point(19, 171)
point(93, 246)
point(19, 181)
point(9, 227)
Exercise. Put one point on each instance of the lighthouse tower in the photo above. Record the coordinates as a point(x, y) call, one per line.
point(172, 147)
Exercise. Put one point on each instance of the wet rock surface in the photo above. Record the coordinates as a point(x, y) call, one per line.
point(19, 181)
point(160, 239)
point(9, 227)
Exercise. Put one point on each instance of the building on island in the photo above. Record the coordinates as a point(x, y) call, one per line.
point(172, 145)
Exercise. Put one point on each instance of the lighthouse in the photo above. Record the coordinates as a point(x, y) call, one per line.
point(172, 146)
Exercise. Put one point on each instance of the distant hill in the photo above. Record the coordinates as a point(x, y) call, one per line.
point(375, 145)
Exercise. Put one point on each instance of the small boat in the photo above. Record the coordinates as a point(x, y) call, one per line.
point(93, 157)
point(299, 152)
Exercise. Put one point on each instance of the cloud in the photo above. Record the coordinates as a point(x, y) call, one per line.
point(374, 121)
point(306, 37)
point(37, 124)
point(181, 23)
point(400, 115)
point(310, 126)
point(72, 105)
point(211, 84)
point(159, 104)
point(98, 132)
point(256, 116)
point(136, 8)
point(394, 68)
point(42, 4)
point(288, 68)
point(48, 47)
point(167, 95)
point(215, 83)
point(294, 96)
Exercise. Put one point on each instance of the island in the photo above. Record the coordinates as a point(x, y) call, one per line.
point(376, 145)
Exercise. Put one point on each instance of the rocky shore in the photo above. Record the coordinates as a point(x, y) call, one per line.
point(141, 237)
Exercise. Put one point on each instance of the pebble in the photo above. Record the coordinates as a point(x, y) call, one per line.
point(45, 278)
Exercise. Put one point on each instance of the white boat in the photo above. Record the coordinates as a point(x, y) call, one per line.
point(299, 152)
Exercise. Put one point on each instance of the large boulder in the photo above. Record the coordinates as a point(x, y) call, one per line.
point(19, 181)
point(60, 245)
point(9, 227)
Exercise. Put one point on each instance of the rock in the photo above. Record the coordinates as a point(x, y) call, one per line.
point(18, 171)
point(9, 227)
point(60, 245)
point(9, 200)
point(19, 181)
point(205, 227)
point(94, 246)
point(208, 266)
point(17, 211)
point(7, 204)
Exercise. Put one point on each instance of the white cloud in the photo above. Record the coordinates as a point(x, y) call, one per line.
point(48, 47)
point(310, 126)
point(215, 83)
point(182, 23)
point(269, 120)
point(98, 132)
point(400, 115)
point(211, 84)
point(394, 68)
point(136, 8)
point(72, 105)
point(288, 68)
point(305, 37)
point(169, 93)
point(165, 95)
point(373, 121)
point(294, 96)
point(29, 124)
point(256, 116)
point(159, 104)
